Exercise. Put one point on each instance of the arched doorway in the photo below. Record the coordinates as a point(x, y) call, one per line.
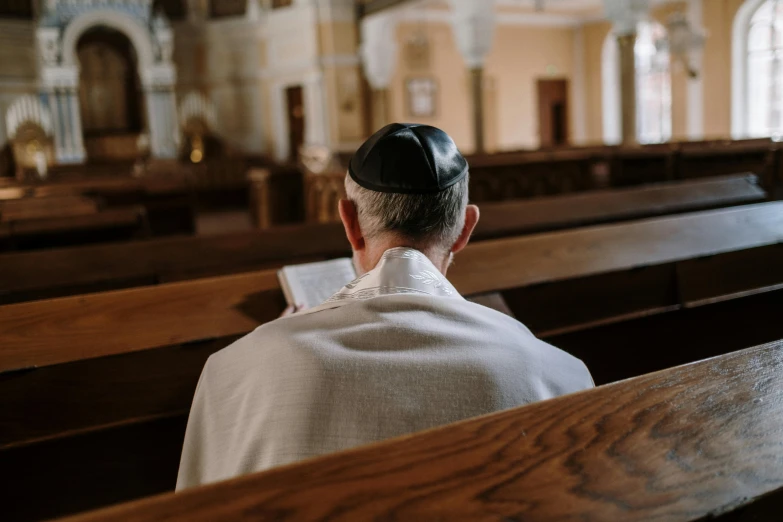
point(110, 94)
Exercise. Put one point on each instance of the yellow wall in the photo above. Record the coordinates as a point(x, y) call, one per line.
point(718, 21)
point(452, 111)
point(594, 37)
point(342, 83)
point(519, 57)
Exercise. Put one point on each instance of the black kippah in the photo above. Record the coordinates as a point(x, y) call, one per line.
point(406, 158)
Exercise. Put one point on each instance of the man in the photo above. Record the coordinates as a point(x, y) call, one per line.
point(396, 351)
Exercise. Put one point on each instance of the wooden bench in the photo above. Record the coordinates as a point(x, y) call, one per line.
point(47, 207)
point(101, 384)
point(167, 199)
point(692, 443)
point(526, 174)
point(86, 269)
point(114, 224)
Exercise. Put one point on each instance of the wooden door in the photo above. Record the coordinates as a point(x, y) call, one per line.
point(296, 120)
point(553, 112)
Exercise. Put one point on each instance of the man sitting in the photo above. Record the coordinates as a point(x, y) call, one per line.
point(396, 351)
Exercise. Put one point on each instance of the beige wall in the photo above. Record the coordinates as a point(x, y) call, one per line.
point(448, 70)
point(718, 21)
point(520, 56)
point(342, 83)
point(594, 36)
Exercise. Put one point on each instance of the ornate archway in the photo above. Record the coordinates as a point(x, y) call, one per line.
point(62, 25)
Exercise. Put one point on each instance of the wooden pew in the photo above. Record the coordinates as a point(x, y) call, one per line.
point(101, 384)
point(692, 443)
point(104, 267)
point(167, 199)
point(527, 174)
point(115, 224)
point(86, 375)
point(532, 174)
point(48, 207)
point(609, 206)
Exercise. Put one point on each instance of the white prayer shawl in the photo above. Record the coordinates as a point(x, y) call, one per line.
point(394, 352)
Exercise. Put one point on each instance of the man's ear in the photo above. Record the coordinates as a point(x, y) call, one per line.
point(471, 219)
point(350, 218)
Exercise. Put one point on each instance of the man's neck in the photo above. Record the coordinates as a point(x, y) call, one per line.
point(375, 252)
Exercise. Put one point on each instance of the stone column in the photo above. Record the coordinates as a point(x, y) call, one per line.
point(161, 103)
point(473, 24)
point(695, 119)
point(627, 42)
point(316, 123)
point(625, 16)
point(379, 52)
point(61, 86)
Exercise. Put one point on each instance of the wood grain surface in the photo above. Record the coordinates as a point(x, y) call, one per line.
point(697, 442)
point(109, 218)
point(73, 328)
point(47, 207)
point(511, 263)
point(191, 257)
point(166, 257)
point(55, 331)
point(605, 206)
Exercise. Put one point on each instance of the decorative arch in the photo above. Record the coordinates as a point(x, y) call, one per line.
point(122, 22)
point(739, 67)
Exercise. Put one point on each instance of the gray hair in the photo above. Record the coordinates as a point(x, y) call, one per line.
point(429, 220)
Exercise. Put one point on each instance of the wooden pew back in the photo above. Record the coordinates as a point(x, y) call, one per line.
point(117, 266)
point(124, 364)
point(691, 443)
point(49, 207)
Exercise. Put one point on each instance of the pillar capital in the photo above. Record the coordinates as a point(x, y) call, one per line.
point(626, 14)
point(474, 29)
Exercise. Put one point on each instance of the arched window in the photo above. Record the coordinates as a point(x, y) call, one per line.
point(653, 87)
point(765, 70)
point(757, 69)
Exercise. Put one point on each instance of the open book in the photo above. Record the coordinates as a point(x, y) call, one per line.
point(311, 284)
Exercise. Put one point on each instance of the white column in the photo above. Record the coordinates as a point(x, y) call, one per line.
point(579, 88)
point(474, 25)
point(162, 122)
point(77, 135)
point(68, 142)
point(695, 115)
point(58, 125)
point(379, 52)
point(255, 140)
point(379, 49)
point(161, 104)
point(625, 16)
point(316, 122)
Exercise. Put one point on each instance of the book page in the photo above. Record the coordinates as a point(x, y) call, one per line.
point(311, 284)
